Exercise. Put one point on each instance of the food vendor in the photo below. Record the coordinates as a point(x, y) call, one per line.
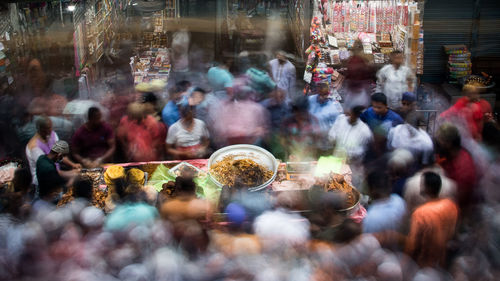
point(187, 138)
point(351, 135)
point(94, 142)
point(41, 143)
point(46, 170)
point(141, 134)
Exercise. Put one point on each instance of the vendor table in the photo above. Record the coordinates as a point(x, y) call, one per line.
point(357, 214)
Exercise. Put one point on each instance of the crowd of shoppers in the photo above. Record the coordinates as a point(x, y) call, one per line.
point(432, 200)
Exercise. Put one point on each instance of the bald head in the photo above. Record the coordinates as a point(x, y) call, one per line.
point(44, 127)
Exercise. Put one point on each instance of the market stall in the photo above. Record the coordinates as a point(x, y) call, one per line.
point(240, 167)
point(380, 26)
point(153, 64)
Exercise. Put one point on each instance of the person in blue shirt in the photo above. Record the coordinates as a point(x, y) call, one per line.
point(324, 108)
point(220, 79)
point(379, 117)
point(170, 113)
point(386, 211)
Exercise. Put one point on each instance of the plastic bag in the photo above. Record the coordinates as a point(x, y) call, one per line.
point(160, 176)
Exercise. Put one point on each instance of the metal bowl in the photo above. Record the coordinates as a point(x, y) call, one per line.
point(354, 208)
point(242, 151)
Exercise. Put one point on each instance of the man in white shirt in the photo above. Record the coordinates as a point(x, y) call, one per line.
point(413, 139)
point(187, 138)
point(283, 73)
point(394, 79)
point(350, 135)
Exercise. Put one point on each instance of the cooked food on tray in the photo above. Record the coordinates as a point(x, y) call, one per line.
point(99, 195)
point(240, 172)
point(336, 182)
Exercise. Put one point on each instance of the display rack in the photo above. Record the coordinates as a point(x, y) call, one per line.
point(153, 64)
point(381, 26)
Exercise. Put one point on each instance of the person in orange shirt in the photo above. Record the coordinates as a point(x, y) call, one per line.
point(185, 205)
point(432, 225)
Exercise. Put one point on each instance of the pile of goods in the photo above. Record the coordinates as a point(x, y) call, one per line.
point(240, 172)
point(152, 65)
point(337, 183)
point(99, 194)
point(374, 28)
point(184, 170)
point(484, 81)
point(459, 62)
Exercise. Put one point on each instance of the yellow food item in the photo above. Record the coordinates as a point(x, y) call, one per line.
point(135, 176)
point(113, 173)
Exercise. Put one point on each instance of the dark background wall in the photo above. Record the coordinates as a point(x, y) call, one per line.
point(475, 23)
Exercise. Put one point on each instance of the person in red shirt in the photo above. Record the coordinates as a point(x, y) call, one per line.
point(141, 135)
point(456, 162)
point(432, 225)
point(470, 109)
point(94, 142)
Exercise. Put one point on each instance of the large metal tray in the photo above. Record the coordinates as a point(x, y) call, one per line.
point(241, 151)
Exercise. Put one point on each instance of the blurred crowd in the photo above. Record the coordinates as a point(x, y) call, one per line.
point(432, 200)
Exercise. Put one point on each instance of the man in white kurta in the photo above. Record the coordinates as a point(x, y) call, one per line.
point(283, 73)
point(395, 79)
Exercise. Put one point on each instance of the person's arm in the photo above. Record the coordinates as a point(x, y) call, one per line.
point(270, 70)
point(170, 143)
point(332, 134)
point(380, 80)
point(70, 163)
point(177, 154)
point(107, 155)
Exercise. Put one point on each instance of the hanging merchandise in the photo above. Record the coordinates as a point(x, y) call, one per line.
point(380, 27)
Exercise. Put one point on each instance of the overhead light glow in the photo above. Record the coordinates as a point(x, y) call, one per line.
point(71, 8)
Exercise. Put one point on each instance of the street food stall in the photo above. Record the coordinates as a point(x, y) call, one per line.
point(238, 166)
